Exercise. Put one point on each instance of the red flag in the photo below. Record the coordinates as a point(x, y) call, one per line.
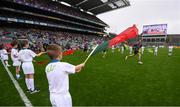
point(129, 33)
point(68, 52)
point(8, 46)
point(42, 62)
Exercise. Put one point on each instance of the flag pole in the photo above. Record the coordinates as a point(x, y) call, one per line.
point(90, 54)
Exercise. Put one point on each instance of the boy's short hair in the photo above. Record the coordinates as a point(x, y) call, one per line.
point(15, 42)
point(53, 51)
point(24, 43)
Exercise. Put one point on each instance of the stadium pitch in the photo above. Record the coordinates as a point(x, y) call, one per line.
point(109, 81)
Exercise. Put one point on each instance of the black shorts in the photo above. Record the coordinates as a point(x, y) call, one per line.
point(85, 49)
point(136, 52)
point(104, 50)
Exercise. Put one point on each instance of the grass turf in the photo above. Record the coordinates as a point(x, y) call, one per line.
point(109, 81)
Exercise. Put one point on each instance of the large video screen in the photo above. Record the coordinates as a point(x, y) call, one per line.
point(158, 29)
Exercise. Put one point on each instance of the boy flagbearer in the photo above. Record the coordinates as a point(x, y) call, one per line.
point(57, 75)
point(15, 58)
point(26, 56)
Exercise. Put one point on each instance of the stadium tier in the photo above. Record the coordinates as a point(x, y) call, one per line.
point(39, 39)
point(52, 20)
point(173, 39)
point(53, 13)
point(169, 39)
point(97, 6)
point(34, 13)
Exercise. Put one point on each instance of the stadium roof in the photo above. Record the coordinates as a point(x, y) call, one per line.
point(96, 6)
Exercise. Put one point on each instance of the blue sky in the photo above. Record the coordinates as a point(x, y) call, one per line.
point(145, 12)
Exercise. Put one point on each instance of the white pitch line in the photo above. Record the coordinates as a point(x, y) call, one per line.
point(18, 88)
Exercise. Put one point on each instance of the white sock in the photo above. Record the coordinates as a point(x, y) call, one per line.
point(31, 81)
point(28, 83)
point(6, 62)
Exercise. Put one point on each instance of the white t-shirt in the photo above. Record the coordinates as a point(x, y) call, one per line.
point(26, 55)
point(113, 47)
point(0, 53)
point(4, 54)
point(122, 48)
point(170, 48)
point(57, 75)
point(93, 46)
point(14, 54)
point(156, 49)
point(143, 48)
point(130, 48)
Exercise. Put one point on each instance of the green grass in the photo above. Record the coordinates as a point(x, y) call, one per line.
point(8, 93)
point(109, 81)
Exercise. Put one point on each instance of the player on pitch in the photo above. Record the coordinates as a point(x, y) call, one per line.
point(136, 48)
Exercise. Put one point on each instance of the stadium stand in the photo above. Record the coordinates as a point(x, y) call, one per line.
point(39, 39)
point(72, 17)
point(71, 26)
point(173, 39)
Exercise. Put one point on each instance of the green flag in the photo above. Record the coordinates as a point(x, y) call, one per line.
point(100, 48)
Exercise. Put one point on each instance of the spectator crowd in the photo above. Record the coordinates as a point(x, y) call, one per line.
point(40, 39)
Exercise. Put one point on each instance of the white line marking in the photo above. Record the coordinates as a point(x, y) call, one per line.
point(18, 88)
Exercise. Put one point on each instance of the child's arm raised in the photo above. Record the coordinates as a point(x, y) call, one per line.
point(41, 53)
point(79, 67)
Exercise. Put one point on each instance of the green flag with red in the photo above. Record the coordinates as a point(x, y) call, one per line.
point(127, 34)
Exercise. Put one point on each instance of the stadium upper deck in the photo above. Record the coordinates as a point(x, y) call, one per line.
point(53, 13)
point(97, 6)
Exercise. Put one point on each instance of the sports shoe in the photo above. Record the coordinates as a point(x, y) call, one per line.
point(28, 90)
point(8, 65)
point(140, 62)
point(34, 91)
point(18, 78)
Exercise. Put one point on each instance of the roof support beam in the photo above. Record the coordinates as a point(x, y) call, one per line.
point(111, 1)
point(125, 2)
point(81, 2)
point(116, 5)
